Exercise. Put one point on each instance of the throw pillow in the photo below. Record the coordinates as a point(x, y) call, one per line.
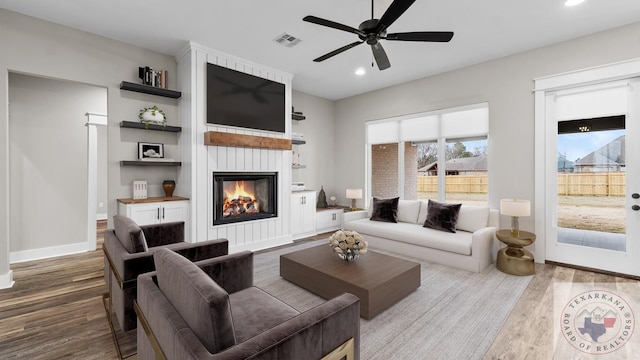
point(442, 216)
point(129, 234)
point(385, 210)
point(408, 211)
point(203, 304)
point(472, 218)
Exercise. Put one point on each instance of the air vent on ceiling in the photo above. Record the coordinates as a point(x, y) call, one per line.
point(287, 40)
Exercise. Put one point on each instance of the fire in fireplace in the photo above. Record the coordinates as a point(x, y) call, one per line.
point(243, 196)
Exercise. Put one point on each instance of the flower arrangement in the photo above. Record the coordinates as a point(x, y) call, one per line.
point(348, 244)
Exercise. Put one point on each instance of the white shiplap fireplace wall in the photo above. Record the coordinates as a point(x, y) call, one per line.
point(200, 161)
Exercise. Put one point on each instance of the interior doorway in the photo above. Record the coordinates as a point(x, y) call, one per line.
point(48, 161)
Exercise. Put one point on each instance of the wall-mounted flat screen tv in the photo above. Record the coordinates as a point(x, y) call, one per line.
point(238, 99)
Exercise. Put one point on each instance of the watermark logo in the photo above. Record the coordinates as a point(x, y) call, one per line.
point(597, 322)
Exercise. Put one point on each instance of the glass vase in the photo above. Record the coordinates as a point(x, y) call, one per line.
point(348, 256)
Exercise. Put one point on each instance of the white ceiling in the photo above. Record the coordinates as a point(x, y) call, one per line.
point(484, 30)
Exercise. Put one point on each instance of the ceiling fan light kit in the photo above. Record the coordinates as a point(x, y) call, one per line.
point(373, 30)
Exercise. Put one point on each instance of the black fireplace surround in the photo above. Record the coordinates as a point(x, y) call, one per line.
point(244, 196)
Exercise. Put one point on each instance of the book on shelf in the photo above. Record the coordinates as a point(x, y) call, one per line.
point(152, 77)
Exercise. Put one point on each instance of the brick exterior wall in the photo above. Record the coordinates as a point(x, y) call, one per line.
point(384, 171)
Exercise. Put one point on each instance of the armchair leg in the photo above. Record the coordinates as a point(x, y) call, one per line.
point(344, 351)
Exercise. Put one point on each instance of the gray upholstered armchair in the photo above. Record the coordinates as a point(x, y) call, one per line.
point(210, 310)
point(128, 250)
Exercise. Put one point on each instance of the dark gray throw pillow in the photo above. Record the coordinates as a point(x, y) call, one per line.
point(442, 216)
point(385, 210)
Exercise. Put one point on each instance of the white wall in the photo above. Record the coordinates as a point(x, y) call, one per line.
point(41, 48)
point(505, 83)
point(318, 153)
point(48, 160)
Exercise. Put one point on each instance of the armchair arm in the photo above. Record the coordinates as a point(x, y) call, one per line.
point(233, 272)
point(310, 335)
point(127, 266)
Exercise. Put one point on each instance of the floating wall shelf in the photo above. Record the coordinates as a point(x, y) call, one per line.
point(139, 125)
point(146, 89)
point(149, 163)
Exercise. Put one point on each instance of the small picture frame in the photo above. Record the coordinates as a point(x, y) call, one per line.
point(150, 151)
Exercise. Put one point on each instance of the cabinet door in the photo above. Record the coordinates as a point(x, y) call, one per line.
point(296, 214)
point(308, 213)
point(144, 214)
point(172, 211)
point(327, 220)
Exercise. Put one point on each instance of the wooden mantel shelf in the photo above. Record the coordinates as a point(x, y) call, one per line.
point(216, 138)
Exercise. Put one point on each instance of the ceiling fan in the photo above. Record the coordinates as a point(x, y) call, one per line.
point(373, 30)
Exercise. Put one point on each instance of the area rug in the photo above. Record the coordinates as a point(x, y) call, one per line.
point(454, 314)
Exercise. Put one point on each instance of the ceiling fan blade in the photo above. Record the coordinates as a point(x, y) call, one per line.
point(397, 8)
point(432, 36)
point(381, 56)
point(331, 24)
point(337, 51)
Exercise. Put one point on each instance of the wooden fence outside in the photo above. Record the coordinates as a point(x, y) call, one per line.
point(569, 184)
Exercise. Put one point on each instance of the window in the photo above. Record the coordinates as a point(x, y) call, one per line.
point(405, 154)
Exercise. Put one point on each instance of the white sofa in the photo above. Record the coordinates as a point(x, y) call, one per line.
point(471, 247)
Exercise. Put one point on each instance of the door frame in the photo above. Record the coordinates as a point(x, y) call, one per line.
point(544, 133)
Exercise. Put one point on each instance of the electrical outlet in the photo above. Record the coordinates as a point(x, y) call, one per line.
point(101, 205)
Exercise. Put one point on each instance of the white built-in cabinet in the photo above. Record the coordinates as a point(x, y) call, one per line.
point(303, 214)
point(329, 219)
point(155, 210)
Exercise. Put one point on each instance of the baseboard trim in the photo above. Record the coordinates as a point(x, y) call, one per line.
point(598, 271)
point(48, 252)
point(6, 280)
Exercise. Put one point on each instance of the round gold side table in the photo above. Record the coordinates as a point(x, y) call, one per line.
point(513, 259)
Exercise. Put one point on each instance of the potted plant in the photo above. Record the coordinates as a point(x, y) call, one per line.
point(152, 115)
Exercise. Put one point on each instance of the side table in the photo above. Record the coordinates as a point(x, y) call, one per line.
point(513, 259)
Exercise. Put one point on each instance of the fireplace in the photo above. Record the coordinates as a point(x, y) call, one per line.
point(244, 196)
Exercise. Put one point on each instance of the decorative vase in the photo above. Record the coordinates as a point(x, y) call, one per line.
point(168, 186)
point(322, 199)
point(348, 256)
point(149, 116)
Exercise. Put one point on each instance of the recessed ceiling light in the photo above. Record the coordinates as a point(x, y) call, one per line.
point(573, 2)
point(360, 71)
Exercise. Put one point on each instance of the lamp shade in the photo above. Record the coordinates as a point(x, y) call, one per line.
point(515, 207)
point(354, 193)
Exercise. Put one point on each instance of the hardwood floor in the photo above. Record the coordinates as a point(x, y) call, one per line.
point(55, 310)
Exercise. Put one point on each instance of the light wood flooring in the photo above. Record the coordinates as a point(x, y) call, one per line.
point(55, 311)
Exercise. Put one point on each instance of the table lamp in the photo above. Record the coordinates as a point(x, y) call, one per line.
point(354, 194)
point(515, 208)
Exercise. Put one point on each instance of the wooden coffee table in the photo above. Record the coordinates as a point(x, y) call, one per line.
point(379, 280)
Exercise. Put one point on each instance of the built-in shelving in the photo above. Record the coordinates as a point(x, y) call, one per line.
point(297, 142)
point(152, 90)
point(149, 163)
point(139, 125)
